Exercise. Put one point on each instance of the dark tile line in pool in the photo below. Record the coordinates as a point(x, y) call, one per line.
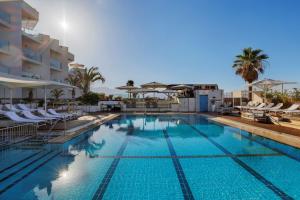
point(110, 172)
point(20, 161)
point(258, 176)
point(191, 156)
point(186, 190)
point(24, 167)
point(284, 149)
point(28, 173)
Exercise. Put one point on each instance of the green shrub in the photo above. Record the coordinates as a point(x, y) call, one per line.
point(90, 98)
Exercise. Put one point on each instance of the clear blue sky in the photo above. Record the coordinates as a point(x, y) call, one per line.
point(176, 41)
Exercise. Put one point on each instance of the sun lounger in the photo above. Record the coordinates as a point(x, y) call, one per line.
point(262, 105)
point(276, 107)
point(24, 107)
point(10, 107)
point(31, 116)
point(17, 119)
point(291, 109)
point(45, 114)
point(64, 115)
point(270, 105)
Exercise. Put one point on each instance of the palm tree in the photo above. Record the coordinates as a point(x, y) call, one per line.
point(130, 83)
point(72, 79)
point(249, 65)
point(87, 77)
point(56, 94)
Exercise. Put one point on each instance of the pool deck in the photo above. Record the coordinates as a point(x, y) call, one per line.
point(282, 134)
point(90, 121)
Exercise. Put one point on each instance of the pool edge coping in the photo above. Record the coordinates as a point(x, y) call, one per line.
point(81, 129)
point(277, 136)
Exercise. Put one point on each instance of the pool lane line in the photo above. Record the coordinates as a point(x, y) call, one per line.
point(258, 176)
point(20, 161)
point(260, 142)
point(110, 172)
point(190, 156)
point(24, 167)
point(185, 188)
point(27, 174)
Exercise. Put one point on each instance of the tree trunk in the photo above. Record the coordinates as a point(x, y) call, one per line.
point(250, 93)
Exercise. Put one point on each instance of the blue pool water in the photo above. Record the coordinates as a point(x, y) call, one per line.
point(153, 157)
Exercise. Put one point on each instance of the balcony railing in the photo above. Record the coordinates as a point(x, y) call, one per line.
point(32, 55)
point(4, 70)
point(5, 17)
point(4, 45)
point(55, 64)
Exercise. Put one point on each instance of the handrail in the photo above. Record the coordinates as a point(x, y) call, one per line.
point(11, 134)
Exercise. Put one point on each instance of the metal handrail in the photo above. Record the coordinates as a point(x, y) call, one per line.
point(11, 134)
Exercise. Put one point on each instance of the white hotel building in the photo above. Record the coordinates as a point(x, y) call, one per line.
point(29, 55)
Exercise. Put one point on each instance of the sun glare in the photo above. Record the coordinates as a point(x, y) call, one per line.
point(64, 25)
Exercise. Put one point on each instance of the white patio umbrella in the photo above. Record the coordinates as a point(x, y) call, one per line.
point(181, 87)
point(12, 82)
point(128, 88)
point(143, 91)
point(154, 85)
point(266, 84)
point(168, 92)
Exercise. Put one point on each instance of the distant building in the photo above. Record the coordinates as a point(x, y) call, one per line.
point(25, 54)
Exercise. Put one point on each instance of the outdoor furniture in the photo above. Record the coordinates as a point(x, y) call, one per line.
point(24, 107)
point(291, 109)
point(11, 107)
point(67, 115)
point(31, 116)
point(47, 115)
point(278, 106)
point(17, 119)
point(262, 105)
point(270, 105)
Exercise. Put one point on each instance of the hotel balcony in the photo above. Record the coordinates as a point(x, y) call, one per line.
point(55, 65)
point(4, 47)
point(32, 37)
point(30, 75)
point(30, 16)
point(31, 56)
point(4, 19)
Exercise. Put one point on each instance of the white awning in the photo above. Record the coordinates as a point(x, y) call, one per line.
point(11, 81)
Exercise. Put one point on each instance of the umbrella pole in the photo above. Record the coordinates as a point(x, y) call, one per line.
point(45, 98)
point(10, 93)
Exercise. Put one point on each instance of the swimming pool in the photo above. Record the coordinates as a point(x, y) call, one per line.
point(154, 157)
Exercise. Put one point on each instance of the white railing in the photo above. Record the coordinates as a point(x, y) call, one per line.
point(15, 133)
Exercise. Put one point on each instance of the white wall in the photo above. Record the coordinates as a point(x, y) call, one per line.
point(218, 94)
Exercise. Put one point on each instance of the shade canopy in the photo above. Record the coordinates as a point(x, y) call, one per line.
point(269, 83)
point(11, 81)
point(181, 87)
point(154, 85)
point(144, 90)
point(127, 87)
point(169, 91)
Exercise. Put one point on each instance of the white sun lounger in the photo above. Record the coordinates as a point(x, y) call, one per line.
point(17, 119)
point(277, 107)
point(292, 109)
point(262, 105)
point(67, 115)
point(10, 107)
point(31, 116)
point(270, 105)
point(45, 114)
point(24, 107)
